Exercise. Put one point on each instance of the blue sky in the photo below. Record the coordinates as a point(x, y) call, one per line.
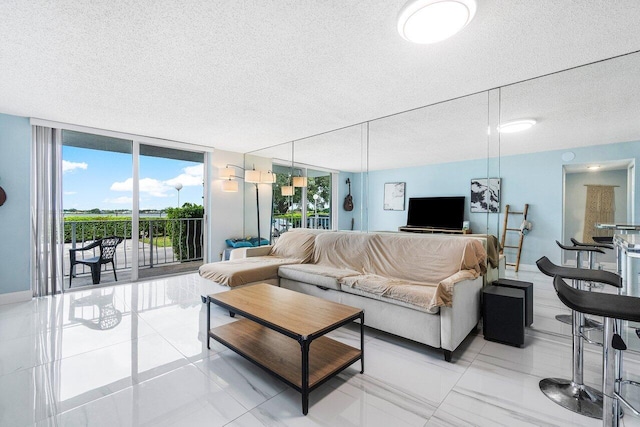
point(102, 179)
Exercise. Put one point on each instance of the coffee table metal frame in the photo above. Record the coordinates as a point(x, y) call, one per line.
point(304, 341)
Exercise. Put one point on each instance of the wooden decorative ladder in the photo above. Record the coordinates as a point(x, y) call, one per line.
point(506, 228)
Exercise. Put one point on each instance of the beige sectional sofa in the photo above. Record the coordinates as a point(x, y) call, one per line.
point(422, 287)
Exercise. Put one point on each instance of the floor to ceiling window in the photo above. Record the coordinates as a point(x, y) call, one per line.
point(95, 170)
point(148, 198)
point(171, 210)
point(302, 198)
point(318, 199)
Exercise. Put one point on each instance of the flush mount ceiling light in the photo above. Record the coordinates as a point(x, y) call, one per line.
point(516, 126)
point(594, 167)
point(431, 21)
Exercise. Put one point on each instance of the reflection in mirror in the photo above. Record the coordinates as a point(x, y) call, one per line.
point(577, 165)
point(266, 203)
point(494, 177)
point(436, 151)
point(585, 117)
point(335, 166)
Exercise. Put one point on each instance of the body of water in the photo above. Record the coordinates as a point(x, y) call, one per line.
point(122, 214)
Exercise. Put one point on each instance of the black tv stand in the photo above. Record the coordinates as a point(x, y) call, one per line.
point(433, 230)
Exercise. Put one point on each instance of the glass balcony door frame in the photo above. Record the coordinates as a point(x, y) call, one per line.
point(334, 192)
point(135, 174)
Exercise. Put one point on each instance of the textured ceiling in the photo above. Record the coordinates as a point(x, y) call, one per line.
point(245, 75)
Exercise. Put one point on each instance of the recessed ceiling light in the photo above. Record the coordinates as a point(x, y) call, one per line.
point(516, 126)
point(594, 167)
point(431, 21)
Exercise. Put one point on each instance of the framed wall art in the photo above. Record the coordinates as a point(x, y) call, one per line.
point(394, 196)
point(485, 195)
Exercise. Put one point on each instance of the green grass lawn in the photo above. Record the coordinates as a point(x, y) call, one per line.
point(159, 241)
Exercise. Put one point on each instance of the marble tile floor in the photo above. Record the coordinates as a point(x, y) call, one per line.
point(136, 354)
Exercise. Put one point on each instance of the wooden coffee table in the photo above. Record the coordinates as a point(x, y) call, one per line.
point(278, 328)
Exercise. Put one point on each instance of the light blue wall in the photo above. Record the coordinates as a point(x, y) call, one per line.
point(15, 149)
point(537, 179)
point(445, 179)
point(534, 178)
point(344, 217)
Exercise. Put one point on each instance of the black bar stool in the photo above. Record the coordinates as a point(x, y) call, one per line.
point(579, 248)
point(608, 240)
point(574, 394)
point(602, 245)
point(599, 245)
point(567, 318)
point(614, 309)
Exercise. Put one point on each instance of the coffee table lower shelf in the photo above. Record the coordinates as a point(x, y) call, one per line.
point(281, 355)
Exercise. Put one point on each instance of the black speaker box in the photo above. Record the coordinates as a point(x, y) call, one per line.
point(527, 287)
point(503, 314)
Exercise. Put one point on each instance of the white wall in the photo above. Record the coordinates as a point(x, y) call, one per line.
point(265, 196)
point(225, 209)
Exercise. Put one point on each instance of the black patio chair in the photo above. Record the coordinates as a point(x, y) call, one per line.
point(107, 252)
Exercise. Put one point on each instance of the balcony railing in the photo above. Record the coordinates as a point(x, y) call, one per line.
point(162, 241)
point(282, 224)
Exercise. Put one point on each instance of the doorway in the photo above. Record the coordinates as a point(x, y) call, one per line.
point(616, 178)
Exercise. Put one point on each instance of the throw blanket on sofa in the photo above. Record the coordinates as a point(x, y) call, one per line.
point(403, 268)
point(243, 271)
point(291, 248)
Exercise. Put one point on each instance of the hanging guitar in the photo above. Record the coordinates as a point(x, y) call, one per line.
point(348, 200)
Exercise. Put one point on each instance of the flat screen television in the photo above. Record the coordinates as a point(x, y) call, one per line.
point(436, 212)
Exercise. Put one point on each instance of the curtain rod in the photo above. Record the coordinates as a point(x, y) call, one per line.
point(600, 185)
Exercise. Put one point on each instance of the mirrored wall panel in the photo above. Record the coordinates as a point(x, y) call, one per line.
point(428, 168)
point(575, 165)
point(569, 145)
point(335, 166)
point(267, 183)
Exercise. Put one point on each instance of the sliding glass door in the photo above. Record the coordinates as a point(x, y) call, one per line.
point(171, 211)
point(148, 198)
point(97, 203)
point(318, 199)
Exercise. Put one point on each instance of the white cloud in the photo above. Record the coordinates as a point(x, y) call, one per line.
point(154, 187)
point(70, 193)
point(147, 185)
point(191, 176)
point(126, 185)
point(71, 166)
point(123, 200)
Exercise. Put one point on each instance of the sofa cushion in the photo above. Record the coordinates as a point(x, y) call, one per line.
point(239, 243)
point(315, 274)
point(341, 250)
point(422, 259)
point(298, 245)
point(416, 297)
point(425, 295)
point(243, 271)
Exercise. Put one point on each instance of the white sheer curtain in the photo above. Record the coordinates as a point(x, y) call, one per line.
point(46, 211)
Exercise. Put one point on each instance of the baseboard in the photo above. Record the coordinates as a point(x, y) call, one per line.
point(609, 266)
point(528, 267)
point(14, 297)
